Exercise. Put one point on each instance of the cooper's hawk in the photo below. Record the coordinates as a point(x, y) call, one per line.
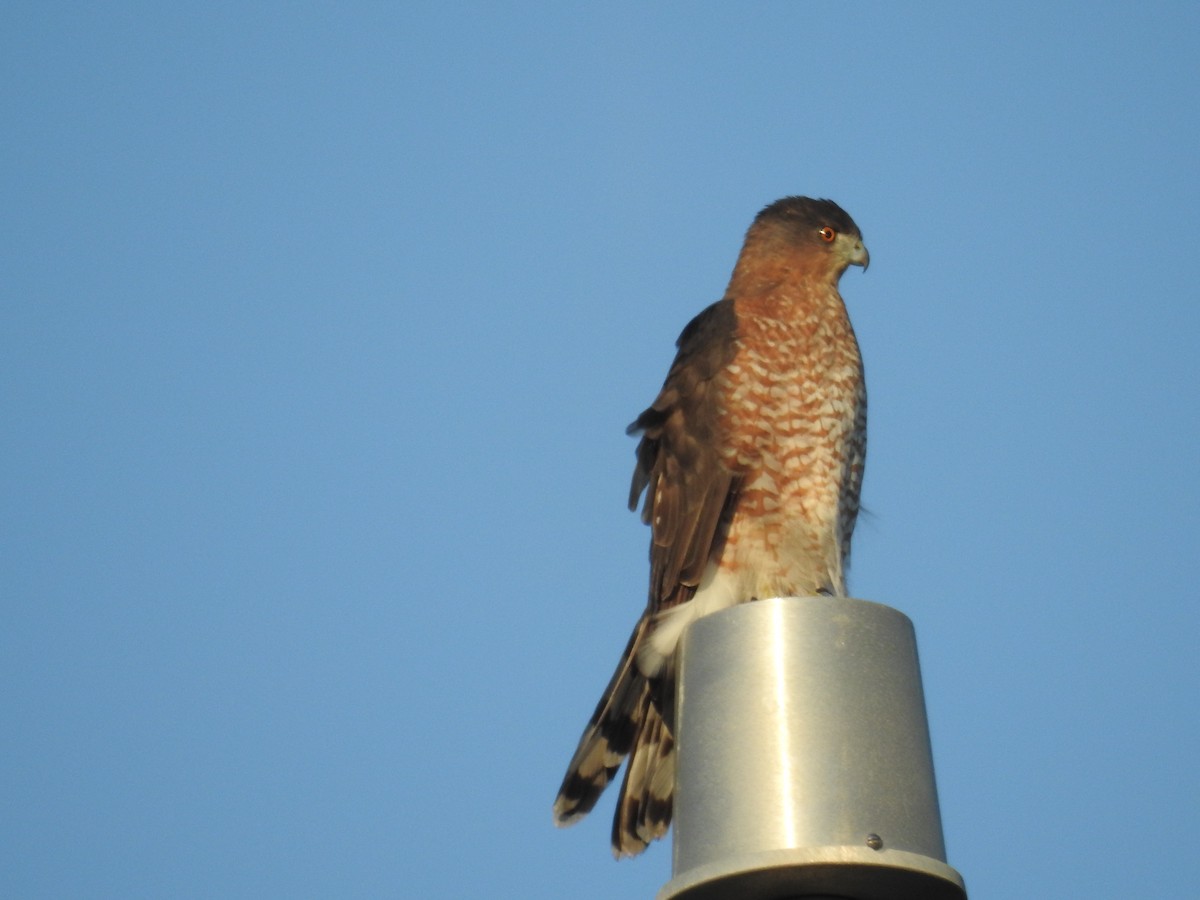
point(751, 458)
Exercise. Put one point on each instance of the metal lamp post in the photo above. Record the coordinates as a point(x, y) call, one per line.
point(804, 762)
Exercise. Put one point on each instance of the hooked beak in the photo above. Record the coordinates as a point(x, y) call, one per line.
point(859, 256)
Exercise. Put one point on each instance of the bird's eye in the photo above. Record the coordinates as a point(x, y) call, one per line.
point(827, 234)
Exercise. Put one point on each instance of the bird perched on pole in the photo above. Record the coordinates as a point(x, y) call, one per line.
point(751, 461)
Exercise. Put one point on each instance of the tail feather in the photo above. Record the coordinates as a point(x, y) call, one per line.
point(644, 805)
point(606, 740)
point(627, 722)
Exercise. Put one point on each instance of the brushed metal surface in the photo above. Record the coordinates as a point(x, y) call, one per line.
point(803, 747)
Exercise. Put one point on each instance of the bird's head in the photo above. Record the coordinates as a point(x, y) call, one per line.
point(819, 231)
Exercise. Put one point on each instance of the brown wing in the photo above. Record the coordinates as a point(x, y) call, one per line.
point(688, 487)
point(688, 490)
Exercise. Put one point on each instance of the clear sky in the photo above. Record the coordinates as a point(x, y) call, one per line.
point(320, 328)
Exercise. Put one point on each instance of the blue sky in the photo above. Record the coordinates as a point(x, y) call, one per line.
point(320, 327)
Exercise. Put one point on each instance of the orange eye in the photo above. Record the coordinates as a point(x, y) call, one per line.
point(827, 234)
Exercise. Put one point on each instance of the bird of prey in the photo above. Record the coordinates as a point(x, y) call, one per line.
point(751, 460)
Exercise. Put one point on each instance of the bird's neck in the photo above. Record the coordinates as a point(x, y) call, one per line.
point(768, 263)
point(785, 287)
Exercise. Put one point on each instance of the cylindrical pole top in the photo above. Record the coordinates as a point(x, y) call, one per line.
point(804, 765)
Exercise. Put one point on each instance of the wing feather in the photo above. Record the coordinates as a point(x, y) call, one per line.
point(679, 467)
point(688, 490)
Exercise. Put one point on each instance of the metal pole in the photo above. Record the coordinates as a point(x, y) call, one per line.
point(804, 768)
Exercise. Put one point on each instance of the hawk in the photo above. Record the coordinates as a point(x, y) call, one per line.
point(751, 460)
